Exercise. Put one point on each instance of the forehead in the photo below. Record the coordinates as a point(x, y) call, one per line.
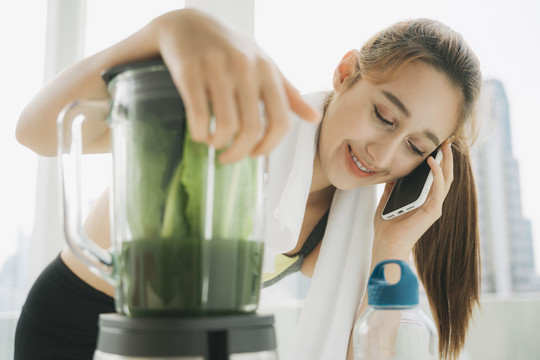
point(430, 100)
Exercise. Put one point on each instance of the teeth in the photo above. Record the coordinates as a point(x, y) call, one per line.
point(359, 164)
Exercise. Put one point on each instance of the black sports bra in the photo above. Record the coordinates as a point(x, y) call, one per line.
point(286, 265)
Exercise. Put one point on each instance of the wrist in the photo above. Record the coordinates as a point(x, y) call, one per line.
point(384, 249)
point(388, 250)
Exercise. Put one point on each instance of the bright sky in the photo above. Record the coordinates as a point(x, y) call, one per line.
point(307, 39)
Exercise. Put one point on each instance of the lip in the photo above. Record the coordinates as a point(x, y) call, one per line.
point(353, 169)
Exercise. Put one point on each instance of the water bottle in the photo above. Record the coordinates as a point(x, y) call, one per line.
point(394, 326)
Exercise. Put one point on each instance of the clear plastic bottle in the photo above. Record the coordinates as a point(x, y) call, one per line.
point(394, 326)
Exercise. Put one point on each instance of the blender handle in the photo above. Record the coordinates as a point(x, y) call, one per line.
point(70, 143)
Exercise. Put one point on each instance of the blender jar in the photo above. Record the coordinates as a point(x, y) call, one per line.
point(186, 230)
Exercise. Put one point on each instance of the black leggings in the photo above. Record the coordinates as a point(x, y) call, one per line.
point(59, 319)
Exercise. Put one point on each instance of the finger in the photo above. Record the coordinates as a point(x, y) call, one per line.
point(250, 125)
point(443, 174)
point(195, 99)
point(447, 164)
point(434, 203)
point(224, 105)
point(438, 175)
point(298, 105)
point(276, 114)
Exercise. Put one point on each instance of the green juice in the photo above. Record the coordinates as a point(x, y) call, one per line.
point(189, 277)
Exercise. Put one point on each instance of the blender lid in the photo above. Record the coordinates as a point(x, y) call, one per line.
point(191, 336)
point(111, 73)
point(184, 323)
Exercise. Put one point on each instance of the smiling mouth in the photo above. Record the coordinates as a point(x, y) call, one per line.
point(359, 164)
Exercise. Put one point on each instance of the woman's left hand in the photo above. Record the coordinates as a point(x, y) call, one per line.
point(396, 237)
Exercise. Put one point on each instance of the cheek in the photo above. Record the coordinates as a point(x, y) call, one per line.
point(402, 168)
point(349, 117)
point(326, 144)
point(331, 135)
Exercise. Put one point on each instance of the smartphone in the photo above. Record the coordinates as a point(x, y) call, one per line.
point(411, 191)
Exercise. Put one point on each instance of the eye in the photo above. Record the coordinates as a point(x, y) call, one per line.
point(385, 121)
point(415, 149)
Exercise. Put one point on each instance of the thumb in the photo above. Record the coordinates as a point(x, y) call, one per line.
point(298, 105)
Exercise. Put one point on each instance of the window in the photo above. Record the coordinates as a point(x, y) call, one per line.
point(22, 72)
point(22, 76)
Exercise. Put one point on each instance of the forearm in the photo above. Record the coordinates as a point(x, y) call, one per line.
point(209, 63)
point(36, 127)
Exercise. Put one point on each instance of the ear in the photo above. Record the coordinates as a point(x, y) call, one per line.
point(345, 68)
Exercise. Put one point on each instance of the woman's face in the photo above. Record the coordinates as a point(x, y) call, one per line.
point(377, 133)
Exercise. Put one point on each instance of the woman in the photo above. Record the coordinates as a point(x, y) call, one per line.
point(410, 89)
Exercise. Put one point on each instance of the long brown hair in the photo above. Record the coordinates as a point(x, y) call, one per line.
point(447, 256)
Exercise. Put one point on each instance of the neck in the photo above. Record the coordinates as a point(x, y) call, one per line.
point(321, 189)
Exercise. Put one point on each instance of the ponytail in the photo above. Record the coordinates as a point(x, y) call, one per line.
point(447, 258)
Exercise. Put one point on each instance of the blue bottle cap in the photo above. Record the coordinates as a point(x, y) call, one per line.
point(404, 293)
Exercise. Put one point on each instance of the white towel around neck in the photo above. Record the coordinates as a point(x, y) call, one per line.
point(342, 269)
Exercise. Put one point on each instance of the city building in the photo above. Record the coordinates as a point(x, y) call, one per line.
point(506, 236)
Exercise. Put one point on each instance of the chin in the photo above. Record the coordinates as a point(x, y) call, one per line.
point(346, 183)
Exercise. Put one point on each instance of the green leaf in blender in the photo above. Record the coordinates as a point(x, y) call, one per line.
point(151, 153)
point(235, 200)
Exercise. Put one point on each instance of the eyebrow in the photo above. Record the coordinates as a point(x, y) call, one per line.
point(394, 100)
point(431, 136)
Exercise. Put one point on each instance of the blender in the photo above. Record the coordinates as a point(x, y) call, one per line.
point(186, 230)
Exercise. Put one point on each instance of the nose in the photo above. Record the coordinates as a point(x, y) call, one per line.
point(383, 151)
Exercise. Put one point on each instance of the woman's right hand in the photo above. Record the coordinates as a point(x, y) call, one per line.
point(212, 66)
